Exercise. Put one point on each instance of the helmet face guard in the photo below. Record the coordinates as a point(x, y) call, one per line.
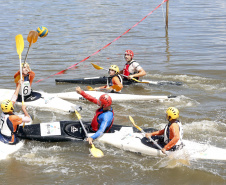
point(7, 106)
point(105, 100)
point(172, 113)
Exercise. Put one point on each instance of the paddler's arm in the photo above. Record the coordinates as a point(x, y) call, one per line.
point(140, 73)
point(15, 95)
point(156, 133)
point(99, 88)
point(86, 96)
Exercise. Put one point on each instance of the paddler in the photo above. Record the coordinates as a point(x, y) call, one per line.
point(28, 76)
point(173, 131)
point(104, 116)
point(115, 80)
point(132, 69)
point(9, 121)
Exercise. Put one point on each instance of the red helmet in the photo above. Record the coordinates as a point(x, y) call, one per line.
point(129, 52)
point(105, 100)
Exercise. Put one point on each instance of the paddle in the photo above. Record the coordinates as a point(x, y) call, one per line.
point(131, 119)
point(94, 151)
point(31, 38)
point(98, 68)
point(115, 87)
point(20, 48)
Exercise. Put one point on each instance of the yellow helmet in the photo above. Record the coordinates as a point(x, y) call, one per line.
point(172, 113)
point(7, 106)
point(114, 68)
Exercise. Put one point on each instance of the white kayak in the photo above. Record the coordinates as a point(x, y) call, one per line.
point(46, 101)
point(6, 149)
point(115, 96)
point(127, 140)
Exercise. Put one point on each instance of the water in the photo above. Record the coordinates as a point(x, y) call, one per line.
point(193, 52)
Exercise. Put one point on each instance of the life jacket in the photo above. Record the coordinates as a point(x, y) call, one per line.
point(4, 125)
point(126, 68)
point(95, 124)
point(26, 87)
point(167, 133)
point(111, 77)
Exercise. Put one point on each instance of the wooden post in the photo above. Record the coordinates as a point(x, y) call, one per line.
point(167, 12)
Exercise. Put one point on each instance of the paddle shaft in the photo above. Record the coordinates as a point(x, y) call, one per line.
point(152, 140)
point(132, 120)
point(98, 68)
point(83, 127)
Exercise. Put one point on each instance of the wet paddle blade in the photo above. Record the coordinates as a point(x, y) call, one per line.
point(32, 37)
point(139, 81)
point(96, 152)
point(96, 66)
point(19, 44)
point(134, 124)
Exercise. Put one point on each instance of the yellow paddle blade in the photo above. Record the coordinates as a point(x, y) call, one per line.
point(139, 81)
point(133, 122)
point(32, 37)
point(19, 44)
point(78, 115)
point(90, 88)
point(96, 152)
point(96, 66)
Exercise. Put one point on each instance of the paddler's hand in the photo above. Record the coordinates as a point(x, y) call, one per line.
point(163, 150)
point(147, 135)
point(90, 140)
point(20, 82)
point(130, 77)
point(78, 90)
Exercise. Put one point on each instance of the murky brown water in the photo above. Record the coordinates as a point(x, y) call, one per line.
point(193, 52)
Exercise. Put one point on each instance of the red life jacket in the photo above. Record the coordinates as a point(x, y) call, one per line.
point(95, 124)
point(126, 69)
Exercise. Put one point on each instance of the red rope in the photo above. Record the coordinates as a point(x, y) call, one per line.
point(61, 72)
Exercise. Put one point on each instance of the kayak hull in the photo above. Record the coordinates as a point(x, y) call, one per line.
point(115, 96)
point(59, 131)
point(122, 137)
point(46, 101)
point(103, 80)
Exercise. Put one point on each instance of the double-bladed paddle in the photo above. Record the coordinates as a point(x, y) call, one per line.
point(94, 151)
point(98, 68)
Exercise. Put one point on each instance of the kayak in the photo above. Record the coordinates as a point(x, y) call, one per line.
point(103, 80)
point(6, 149)
point(58, 131)
point(45, 101)
point(123, 137)
point(115, 96)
